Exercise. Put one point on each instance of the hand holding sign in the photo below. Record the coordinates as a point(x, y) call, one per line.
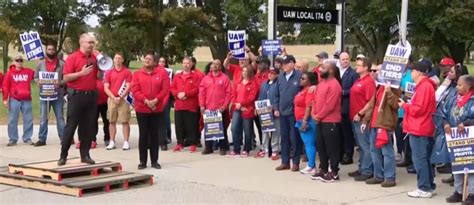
point(447, 129)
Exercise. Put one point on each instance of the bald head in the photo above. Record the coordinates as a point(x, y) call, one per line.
point(345, 60)
point(86, 43)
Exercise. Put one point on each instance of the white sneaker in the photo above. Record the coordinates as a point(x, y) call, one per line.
point(126, 146)
point(308, 170)
point(111, 145)
point(420, 194)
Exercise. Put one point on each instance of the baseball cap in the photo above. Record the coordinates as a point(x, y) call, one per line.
point(420, 66)
point(359, 56)
point(18, 57)
point(447, 62)
point(337, 54)
point(289, 59)
point(262, 59)
point(322, 55)
point(427, 62)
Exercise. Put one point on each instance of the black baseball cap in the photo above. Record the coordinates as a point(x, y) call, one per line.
point(289, 59)
point(421, 67)
point(322, 55)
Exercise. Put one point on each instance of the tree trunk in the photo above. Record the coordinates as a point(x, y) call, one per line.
point(457, 51)
point(5, 56)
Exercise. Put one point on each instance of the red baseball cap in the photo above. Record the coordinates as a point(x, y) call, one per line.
point(447, 62)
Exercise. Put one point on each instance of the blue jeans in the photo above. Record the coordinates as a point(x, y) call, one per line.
point(57, 106)
point(421, 148)
point(366, 167)
point(383, 158)
point(309, 139)
point(239, 127)
point(15, 106)
point(289, 139)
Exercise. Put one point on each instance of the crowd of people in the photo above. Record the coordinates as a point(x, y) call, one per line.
point(329, 111)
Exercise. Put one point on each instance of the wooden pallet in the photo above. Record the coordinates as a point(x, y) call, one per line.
point(73, 168)
point(82, 185)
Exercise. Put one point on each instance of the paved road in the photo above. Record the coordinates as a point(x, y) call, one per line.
point(195, 179)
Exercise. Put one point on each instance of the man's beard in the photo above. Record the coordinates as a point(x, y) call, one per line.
point(51, 56)
point(325, 75)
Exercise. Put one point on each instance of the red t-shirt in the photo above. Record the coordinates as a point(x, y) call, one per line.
point(361, 93)
point(74, 64)
point(51, 64)
point(102, 99)
point(378, 99)
point(302, 100)
point(115, 78)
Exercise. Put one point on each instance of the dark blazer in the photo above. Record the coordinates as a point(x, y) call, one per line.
point(348, 79)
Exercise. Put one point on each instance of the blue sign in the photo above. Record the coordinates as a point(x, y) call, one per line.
point(213, 125)
point(265, 115)
point(461, 149)
point(271, 47)
point(130, 99)
point(236, 40)
point(31, 43)
point(48, 89)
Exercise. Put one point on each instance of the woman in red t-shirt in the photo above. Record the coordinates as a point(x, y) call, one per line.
point(306, 126)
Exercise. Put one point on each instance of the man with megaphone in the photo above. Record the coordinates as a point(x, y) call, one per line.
point(80, 74)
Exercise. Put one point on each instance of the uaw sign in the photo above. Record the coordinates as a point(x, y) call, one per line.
point(236, 41)
point(461, 149)
point(394, 62)
point(31, 43)
point(306, 15)
point(271, 47)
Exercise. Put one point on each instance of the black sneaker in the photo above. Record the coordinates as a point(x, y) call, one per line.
point(330, 177)
point(39, 144)
point(62, 161)
point(454, 198)
point(319, 175)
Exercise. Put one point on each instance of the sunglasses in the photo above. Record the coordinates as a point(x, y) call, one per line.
point(19, 60)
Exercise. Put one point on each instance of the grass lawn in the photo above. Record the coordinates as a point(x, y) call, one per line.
point(133, 65)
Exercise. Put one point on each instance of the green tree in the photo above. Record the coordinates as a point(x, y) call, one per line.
point(443, 28)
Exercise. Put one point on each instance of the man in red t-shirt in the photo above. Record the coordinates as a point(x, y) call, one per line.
point(117, 85)
point(80, 74)
point(320, 59)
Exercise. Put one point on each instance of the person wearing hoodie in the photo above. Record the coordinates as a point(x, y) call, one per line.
point(185, 90)
point(150, 89)
point(17, 98)
point(243, 111)
point(269, 90)
point(215, 93)
point(418, 124)
point(459, 113)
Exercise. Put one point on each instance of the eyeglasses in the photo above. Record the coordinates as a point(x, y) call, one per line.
point(19, 60)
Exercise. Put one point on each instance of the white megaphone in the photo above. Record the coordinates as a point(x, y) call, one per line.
point(104, 62)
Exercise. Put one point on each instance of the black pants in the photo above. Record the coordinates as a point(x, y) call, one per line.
point(102, 112)
point(347, 136)
point(224, 143)
point(328, 142)
point(186, 123)
point(149, 127)
point(81, 112)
